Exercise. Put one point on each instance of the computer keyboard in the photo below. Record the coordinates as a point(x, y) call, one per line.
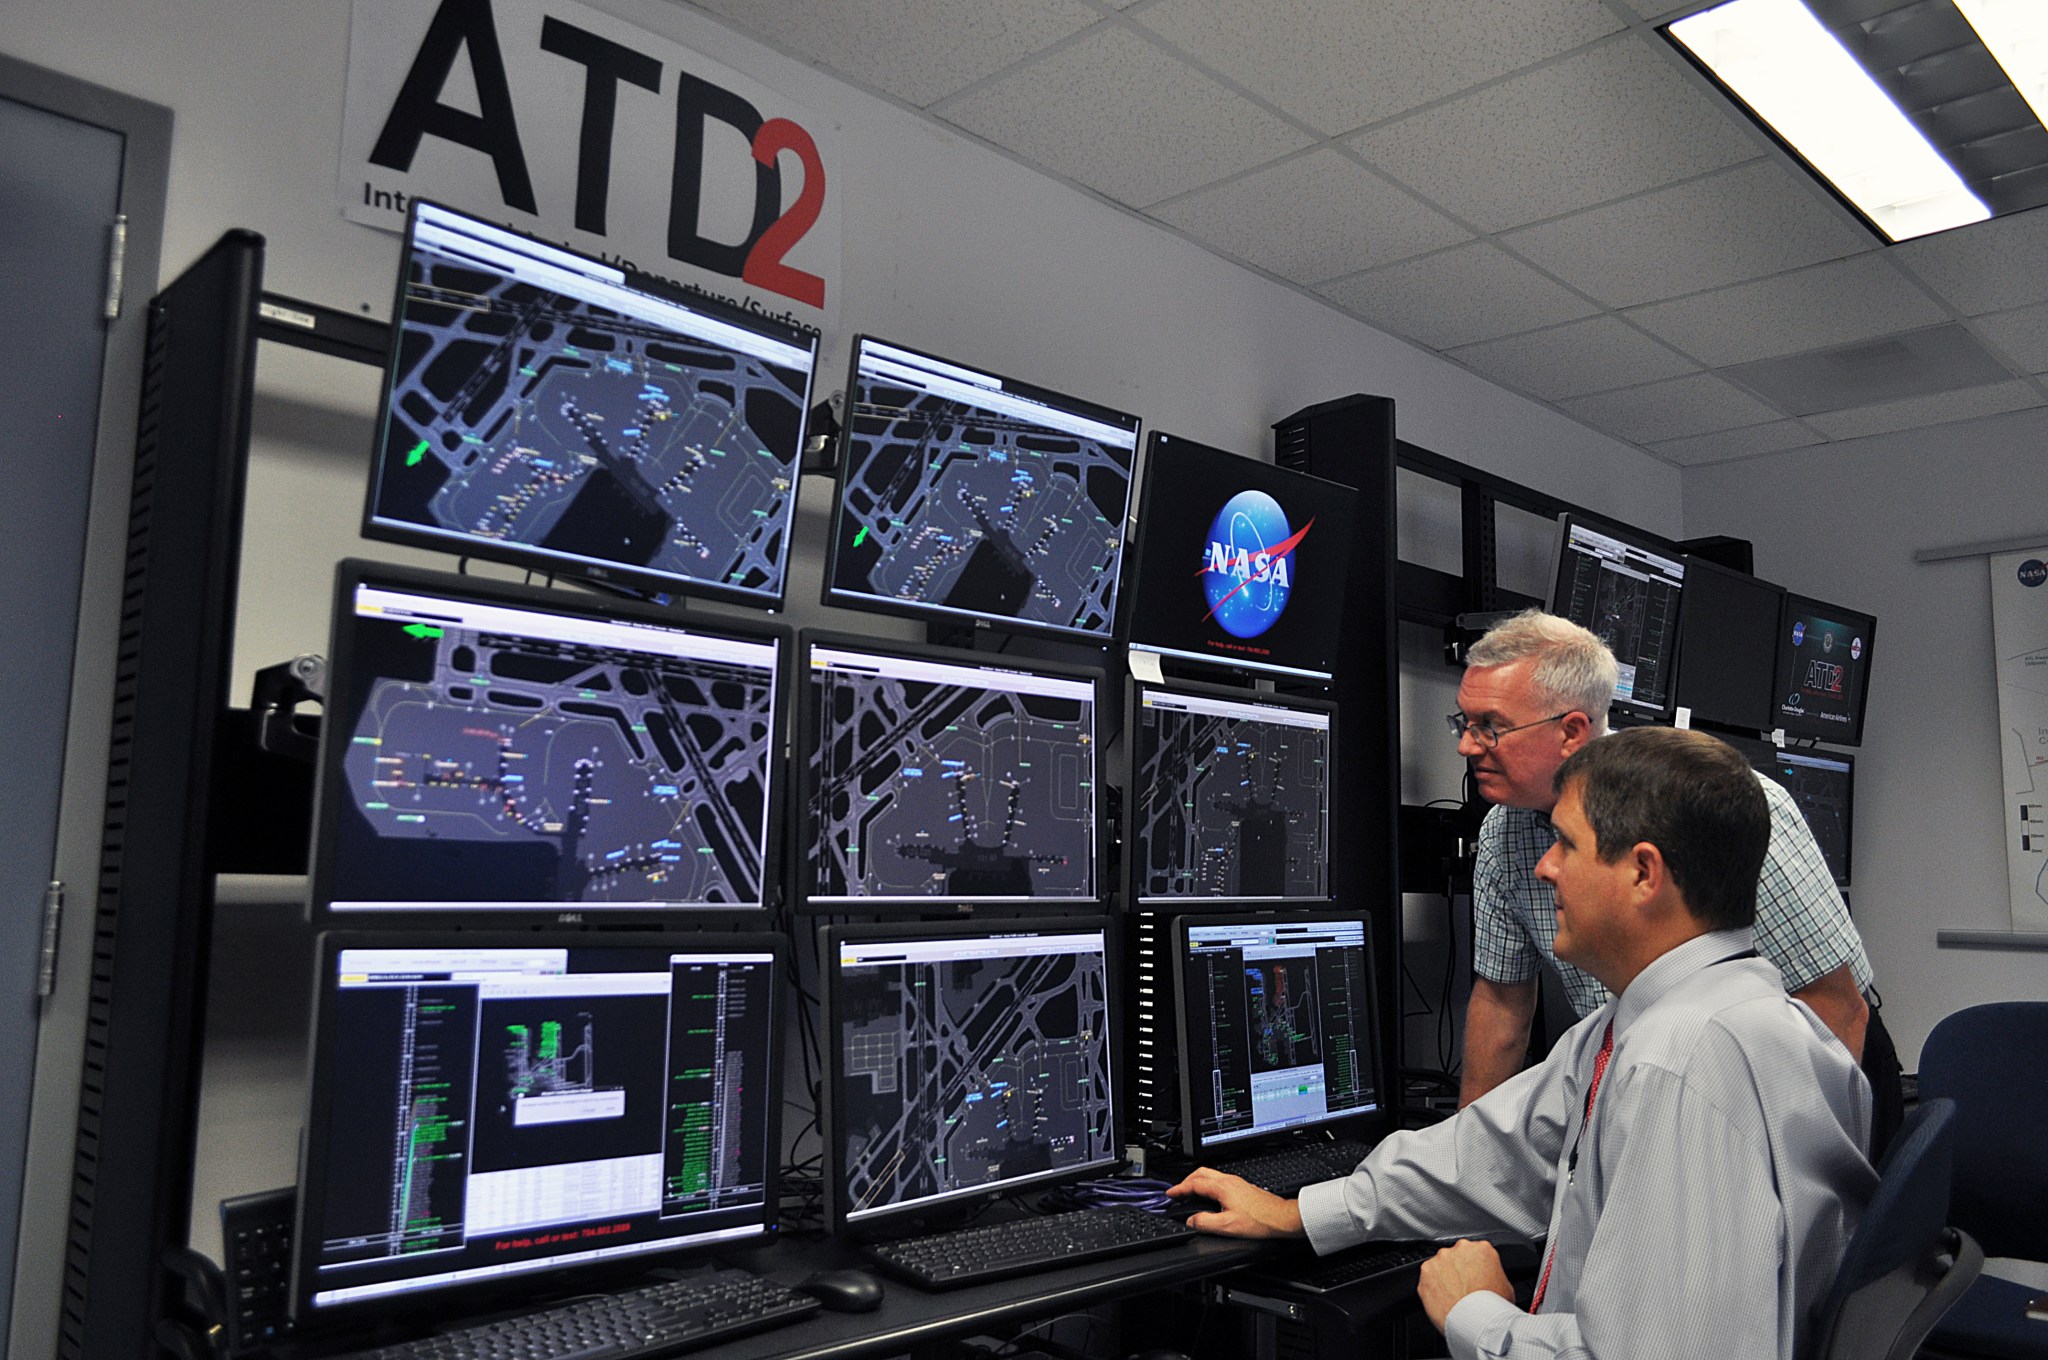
point(967, 1256)
point(660, 1319)
point(1285, 1172)
point(1372, 1261)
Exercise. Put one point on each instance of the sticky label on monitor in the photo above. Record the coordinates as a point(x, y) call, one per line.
point(1145, 666)
point(1683, 721)
point(1778, 737)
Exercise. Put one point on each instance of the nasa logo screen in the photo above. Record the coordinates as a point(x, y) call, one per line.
point(1265, 548)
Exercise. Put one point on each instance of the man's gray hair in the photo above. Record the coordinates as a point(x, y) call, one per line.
point(1574, 671)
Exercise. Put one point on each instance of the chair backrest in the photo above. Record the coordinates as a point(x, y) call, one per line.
point(1903, 1265)
point(1992, 1061)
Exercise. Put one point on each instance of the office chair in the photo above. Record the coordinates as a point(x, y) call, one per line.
point(1904, 1266)
point(1992, 1060)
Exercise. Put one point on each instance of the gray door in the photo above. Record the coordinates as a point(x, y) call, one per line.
point(61, 192)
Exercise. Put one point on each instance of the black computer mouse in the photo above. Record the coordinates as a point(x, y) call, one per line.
point(844, 1291)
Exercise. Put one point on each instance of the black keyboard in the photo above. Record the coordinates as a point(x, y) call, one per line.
point(967, 1256)
point(658, 1320)
point(1374, 1260)
point(1285, 1172)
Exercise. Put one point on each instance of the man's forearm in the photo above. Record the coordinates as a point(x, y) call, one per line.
point(1496, 1035)
point(1839, 1003)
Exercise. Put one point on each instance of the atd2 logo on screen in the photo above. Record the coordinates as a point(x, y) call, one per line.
point(1248, 574)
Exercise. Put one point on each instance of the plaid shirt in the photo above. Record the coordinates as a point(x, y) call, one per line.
point(1802, 925)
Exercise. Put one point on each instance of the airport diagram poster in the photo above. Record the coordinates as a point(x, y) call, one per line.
point(2019, 633)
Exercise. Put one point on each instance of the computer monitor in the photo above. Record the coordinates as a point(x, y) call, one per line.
point(1727, 645)
point(1823, 784)
point(556, 412)
point(1239, 563)
point(974, 498)
point(1276, 1017)
point(1823, 670)
point(936, 779)
point(497, 753)
point(494, 1116)
point(1229, 796)
point(1624, 585)
point(965, 1061)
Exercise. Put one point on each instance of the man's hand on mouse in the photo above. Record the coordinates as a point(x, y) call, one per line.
point(1246, 1210)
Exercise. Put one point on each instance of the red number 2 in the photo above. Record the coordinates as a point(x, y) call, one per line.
point(764, 267)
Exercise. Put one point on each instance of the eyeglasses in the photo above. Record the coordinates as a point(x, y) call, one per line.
point(1487, 735)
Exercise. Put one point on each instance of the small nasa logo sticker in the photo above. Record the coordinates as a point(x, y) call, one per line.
point(1249, 571)
point(1798, 632)
point(2033, 572)
point(1856, 649)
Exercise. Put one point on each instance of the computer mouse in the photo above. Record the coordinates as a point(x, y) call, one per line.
point(1181, 1206)
point(844, 1291)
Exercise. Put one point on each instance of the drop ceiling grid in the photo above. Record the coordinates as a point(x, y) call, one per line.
point(1598, 354)
point(1699, 403)
point(1458, 296)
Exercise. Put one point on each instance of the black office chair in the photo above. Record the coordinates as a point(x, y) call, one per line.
point(1904, 1266)
point(1992, 1060)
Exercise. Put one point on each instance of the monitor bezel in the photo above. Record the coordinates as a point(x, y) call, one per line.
point(525, 1286)
point(802, 821)
point(640, 581)
point(1797, 605)
point(351, 573)
point(1134, 692)
point(1629, 710)
point(1134, 551)
point(1760, 704)
point(833, 595)
point(891, 1221)
point(1379, 1117)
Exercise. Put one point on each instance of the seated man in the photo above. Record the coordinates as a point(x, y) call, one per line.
point(1692, 1149)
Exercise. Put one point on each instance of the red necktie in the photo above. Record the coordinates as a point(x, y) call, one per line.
point(1592, 1092)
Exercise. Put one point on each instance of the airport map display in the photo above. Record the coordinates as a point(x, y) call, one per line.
point(964, 1070)
point(1231, 800)
point(500, 764)
point(635, 434)
point(980, 501)
point(1629, 596)
point(935, 780)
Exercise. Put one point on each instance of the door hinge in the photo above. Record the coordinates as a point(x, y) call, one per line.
point(117, 261)
point(53, 920)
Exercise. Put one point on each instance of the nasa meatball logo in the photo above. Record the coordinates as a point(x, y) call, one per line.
point(1798, 631)
point(1249, 572)
point(2033, 572)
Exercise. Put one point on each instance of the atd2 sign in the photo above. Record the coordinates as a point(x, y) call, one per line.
point(560, 120)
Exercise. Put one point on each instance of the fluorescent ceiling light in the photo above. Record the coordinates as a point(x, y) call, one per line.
point(1777, 58)
point(2016, 32)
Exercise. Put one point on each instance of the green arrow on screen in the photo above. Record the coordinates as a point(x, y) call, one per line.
point(861, 536)
point(422, 631)
point(419, 451)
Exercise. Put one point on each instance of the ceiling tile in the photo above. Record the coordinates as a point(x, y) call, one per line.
point(1723, 445)
point(1740, 224)
point(1670, 410)
point(1593, 355)
point(917, 50)
point(1312, 218)
point(1939, 409)
point(1122, 117)
point(1613, 121)
point(1457, 297)
point(2022, 335)
point(1829, 304)
point(1340, 64)
point(1988, 267)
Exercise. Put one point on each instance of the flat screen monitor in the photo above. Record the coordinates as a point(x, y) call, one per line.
point(1625, 586)
point(498, 1116)
point(1823, 670)
point(971, 497)
point(1239, 563)
point(550, 410)
point(1823, 784)
point(937, 779)
point(1229, 796)
point(492, 752)
point(1276, 1015)
point(965, 1061)
point(1728, 645)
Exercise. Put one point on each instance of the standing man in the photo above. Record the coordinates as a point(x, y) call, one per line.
point(1692, 1150)
point(1537, 689)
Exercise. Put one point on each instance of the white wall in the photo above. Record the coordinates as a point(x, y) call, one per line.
point(1842, 523)
point(949, 246)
